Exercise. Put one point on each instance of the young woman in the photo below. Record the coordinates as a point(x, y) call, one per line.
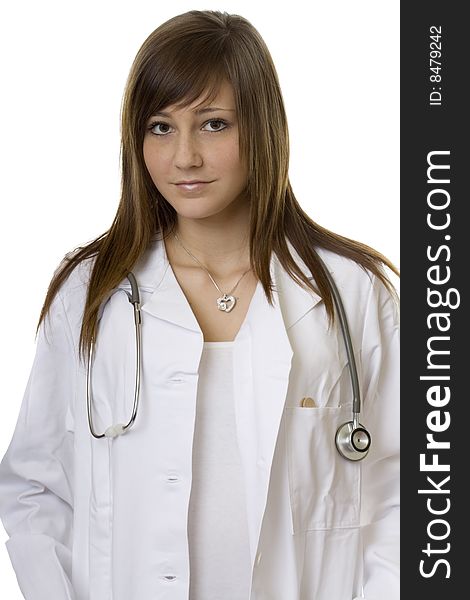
point(229, 480)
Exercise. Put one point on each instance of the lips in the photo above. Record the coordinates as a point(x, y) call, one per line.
point(190, 182)
point(195, 186)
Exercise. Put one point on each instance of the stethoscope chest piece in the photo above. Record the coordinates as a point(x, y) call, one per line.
point(352, 442)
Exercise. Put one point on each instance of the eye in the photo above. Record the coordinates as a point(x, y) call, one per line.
point(163, 133)
point(157, 124)
point(217, 121)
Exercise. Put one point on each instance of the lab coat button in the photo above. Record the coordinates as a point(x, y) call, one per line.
point(169, 577)
point(172, 478)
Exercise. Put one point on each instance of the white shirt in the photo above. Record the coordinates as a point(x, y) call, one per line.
point(217, 524)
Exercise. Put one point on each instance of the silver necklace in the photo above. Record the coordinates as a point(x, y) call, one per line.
point(226, 302)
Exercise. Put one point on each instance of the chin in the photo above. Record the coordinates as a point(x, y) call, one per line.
point(196, 213)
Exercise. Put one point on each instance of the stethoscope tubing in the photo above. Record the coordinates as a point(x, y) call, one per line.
point(356, 405)
point(134, 299)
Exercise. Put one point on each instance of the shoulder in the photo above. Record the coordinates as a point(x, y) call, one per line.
point(71, 294)
point(79, 276)
point(364, 294)
point(352, 279)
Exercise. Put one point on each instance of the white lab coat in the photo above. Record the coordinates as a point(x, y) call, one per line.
point(107, 519)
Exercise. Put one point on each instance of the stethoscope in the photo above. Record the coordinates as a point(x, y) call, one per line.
point(352, 439)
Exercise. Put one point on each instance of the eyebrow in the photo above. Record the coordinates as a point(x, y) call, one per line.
point(198, 111)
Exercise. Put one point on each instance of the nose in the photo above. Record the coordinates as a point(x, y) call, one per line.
point(187, 152)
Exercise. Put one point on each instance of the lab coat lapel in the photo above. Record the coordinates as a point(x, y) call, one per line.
point(168, 302)
point(262, 364)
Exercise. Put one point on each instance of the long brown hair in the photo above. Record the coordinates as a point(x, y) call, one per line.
point(184, 59)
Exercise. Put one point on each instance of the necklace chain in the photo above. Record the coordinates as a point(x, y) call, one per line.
point(226, 302)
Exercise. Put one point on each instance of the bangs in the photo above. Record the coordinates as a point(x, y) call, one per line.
point(181, 81)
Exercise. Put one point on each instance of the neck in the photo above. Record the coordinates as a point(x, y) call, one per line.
point(222, 249)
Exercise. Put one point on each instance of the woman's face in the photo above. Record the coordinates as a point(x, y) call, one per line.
point(184, 145)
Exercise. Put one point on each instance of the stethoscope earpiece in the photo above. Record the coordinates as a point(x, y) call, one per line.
point(352, 442)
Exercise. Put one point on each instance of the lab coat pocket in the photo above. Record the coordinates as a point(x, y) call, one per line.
point(324, 487)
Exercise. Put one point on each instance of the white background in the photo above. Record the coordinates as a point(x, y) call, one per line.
point(64, 67)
